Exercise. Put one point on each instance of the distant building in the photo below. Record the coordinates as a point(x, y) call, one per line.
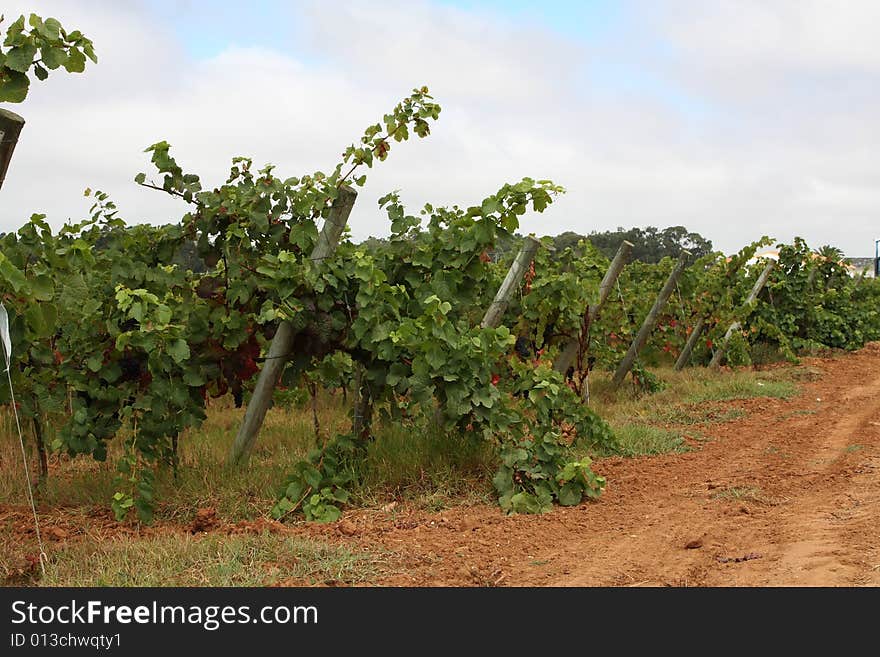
point(769, 254)
point(857, 265)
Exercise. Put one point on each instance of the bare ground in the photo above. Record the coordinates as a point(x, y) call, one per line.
point(787, 495)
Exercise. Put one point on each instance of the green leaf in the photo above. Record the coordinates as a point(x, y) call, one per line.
point(13, 86)
point(12, 274)
point(53, 56)
point(43, 288)
point(36, 322)
point(312, 476)
point(525, 503)
point(178, 350)
point(489, 206)
point(144, 510)
point(193, 378)
point(89, 51)
point(20, 58)
point(51, 29)
point(13, 33)
point(326, 513)
point(435, 357)
point(570, 494)
point(503, 481)
point(76, 61)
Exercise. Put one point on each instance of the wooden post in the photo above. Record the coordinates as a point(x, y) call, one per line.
point(514, 277)
point(492, 318)
point(648, 324)
point(10, 128)
point(41, 448)
point(334, 224)
point(735, 326)
point(685, 355)
point(692, 340)
point(362, 414)
point(282, 341)
point(569, 352)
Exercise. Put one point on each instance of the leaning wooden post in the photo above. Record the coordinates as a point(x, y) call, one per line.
point(569, 352)
point(648, 324)
point(685, 354)
point(499, 304)
point(735, 326)
point(10, 128)
point(282, 341)
point(699, 327)
point(514, 277)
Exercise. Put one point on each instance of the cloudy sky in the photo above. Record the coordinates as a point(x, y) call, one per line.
point(735, 119)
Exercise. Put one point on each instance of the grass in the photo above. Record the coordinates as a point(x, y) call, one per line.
point(742, 494)
point(428, 468)
point(688, 414)
point(651, 424)
point(797, 413)
point(425, 467)
point(644, 439)
point(691, 387)
point(186, 560)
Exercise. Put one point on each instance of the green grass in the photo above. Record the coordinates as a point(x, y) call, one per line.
point(646, 424)
point(643, 439)
point(212, 560)
point(739, 388)
point(688, 414)
point(417, 464)
point(427, 467)
point(686, 389)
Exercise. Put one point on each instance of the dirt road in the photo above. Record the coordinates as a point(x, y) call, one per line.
point(787, 495)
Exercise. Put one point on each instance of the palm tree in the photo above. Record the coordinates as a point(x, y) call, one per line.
point(831, 254)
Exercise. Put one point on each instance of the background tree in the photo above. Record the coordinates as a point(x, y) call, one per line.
point(650, 244)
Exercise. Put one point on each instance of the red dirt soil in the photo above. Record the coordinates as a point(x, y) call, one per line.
point(787, 495)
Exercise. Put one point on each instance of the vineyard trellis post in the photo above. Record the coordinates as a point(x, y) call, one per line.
point(569, 352)
point(736, 325)
point(697, 331)
point(648, 324)
point(692, 340)
point(514, 277)
point(282, 341)
point(518, 269)
point(10, 128)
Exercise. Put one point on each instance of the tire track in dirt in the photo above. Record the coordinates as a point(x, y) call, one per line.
point(799, 488)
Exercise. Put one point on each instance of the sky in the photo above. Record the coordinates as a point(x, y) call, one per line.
point(736, 119)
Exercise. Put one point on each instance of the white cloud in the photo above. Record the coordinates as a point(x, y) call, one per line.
point(736, 142)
